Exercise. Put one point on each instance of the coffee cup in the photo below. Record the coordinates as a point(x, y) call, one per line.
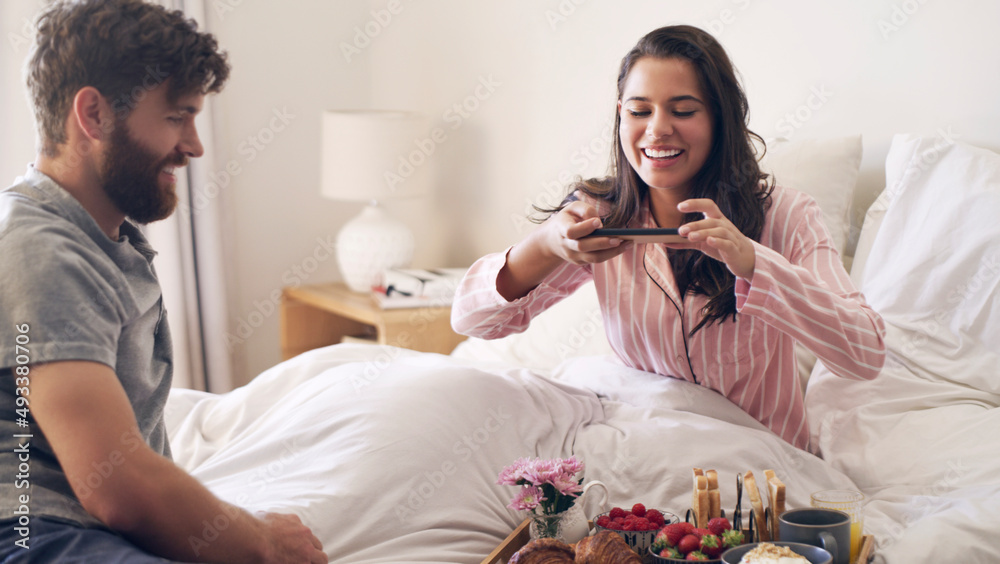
point(826, 528)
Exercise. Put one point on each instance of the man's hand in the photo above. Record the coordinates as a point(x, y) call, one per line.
point(291, 542)
point(87, 418)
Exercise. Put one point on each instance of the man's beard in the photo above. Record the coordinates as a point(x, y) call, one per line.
point(131, 178)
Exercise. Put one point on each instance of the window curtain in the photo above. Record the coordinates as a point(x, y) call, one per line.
point(192, 263)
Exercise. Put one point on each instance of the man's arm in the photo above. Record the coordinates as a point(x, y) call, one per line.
point(87, 418)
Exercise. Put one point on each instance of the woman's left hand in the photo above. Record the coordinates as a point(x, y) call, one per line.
point(717, 237)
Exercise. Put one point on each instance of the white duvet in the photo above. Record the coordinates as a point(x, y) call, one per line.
point(392, 456)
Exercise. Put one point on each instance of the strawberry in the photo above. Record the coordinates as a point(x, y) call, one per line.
point(718, 525)
point(674, 533)
point(701, 532)
point(711, 545)
point(689, 543)
point(639, 510)
point(688, 528)
point(697, 555)
point(732, 538)
point(671, 552)
point(617, 512)
point(661, 541)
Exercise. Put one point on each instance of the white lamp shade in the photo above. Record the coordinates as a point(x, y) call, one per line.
point(375, 155)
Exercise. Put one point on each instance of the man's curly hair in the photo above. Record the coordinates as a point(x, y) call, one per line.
point(123, 48)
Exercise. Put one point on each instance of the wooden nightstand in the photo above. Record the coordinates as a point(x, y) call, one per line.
point(321, 315)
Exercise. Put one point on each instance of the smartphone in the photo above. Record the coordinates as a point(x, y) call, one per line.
point(649, 235)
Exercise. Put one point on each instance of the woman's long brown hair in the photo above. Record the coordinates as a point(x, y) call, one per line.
point(731, 176)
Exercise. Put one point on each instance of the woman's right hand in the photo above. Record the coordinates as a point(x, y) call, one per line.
point(562, 238)
point(566, 236)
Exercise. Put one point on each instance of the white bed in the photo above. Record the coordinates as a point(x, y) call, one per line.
point(392, 455)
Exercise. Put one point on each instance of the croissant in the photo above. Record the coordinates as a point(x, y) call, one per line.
point(543, 551)
point(605, 547)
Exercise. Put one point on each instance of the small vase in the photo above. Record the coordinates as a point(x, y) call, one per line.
point(552, 526)
point(571, 525)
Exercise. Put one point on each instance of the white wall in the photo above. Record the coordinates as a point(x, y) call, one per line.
point(885, 66)
point(17, 141)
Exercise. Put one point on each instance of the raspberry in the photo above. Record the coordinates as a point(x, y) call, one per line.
point(617, 512)
point(604, 521)
point(639, 510)
point(656, 517)
point(618, 524)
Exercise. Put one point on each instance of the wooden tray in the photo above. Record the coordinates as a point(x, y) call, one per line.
point(520, 537)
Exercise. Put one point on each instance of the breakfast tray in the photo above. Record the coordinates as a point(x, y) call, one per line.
point(520, 537)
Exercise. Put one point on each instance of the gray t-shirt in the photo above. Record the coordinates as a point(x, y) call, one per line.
point(68, 292)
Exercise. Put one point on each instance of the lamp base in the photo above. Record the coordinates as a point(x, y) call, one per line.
point(369, 244)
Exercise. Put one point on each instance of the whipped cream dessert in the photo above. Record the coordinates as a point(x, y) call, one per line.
point(767, 553)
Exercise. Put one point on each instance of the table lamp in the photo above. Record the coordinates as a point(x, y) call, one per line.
point(373, 157)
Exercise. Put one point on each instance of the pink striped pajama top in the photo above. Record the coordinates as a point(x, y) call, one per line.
point(799, 292)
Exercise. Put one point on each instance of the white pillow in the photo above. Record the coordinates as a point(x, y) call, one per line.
point(568, 329)
point(929, 262)
point(826, 169)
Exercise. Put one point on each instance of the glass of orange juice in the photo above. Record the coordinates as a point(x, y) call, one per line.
point(850, 502)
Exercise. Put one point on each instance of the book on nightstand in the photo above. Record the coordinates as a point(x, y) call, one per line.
point(413, 288)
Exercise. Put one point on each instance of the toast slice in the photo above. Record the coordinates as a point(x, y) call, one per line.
point(714, 497)
point(776, 500)
point(699, 499)
point(757, 505)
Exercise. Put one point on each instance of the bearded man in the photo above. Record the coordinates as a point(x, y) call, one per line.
point(85, 352)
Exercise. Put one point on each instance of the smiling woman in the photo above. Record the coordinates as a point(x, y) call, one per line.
point(756, 273)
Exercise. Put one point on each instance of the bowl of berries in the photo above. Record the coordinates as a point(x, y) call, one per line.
point(683, 542)
point(637, 526)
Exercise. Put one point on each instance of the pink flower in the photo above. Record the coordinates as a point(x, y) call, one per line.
point(527, 499)
point(514, 474)
point(549, 484)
